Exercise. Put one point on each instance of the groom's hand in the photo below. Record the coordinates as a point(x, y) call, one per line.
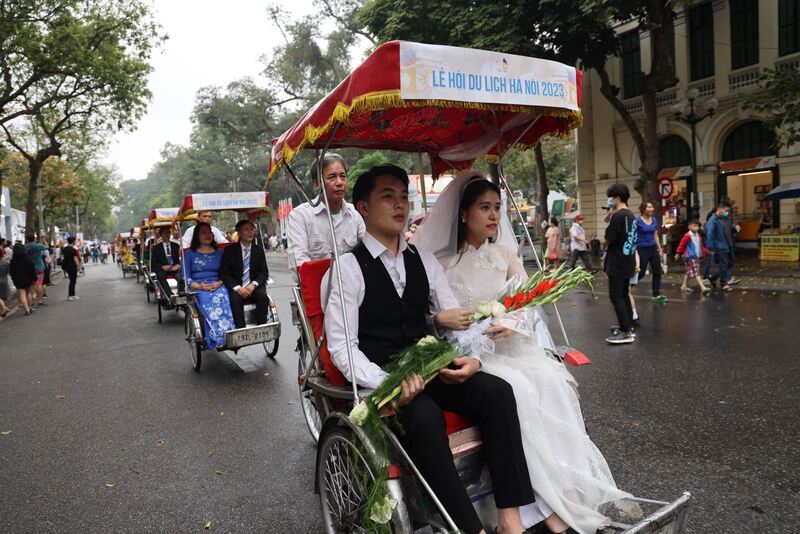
point(410, 387)
point(454, 319)
point(465, 367)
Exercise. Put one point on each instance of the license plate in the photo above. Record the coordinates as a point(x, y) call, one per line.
point(252, 335)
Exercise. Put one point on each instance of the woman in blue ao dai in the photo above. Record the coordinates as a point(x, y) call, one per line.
point(201, 265)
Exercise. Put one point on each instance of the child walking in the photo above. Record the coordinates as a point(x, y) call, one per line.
point(693, 251)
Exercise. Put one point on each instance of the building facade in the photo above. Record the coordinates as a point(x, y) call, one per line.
point(719, 47)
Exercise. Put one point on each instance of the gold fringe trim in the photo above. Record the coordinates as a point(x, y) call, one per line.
point(382, 100)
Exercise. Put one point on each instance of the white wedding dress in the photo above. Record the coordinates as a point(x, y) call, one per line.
point(569, 474)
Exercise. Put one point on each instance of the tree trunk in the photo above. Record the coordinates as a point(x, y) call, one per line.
point(541, 184)
point(34, 170)
point(648, 172)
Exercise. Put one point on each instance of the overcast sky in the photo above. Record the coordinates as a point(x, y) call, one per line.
point(211, 42)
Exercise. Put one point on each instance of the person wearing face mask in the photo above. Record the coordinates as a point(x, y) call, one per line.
point(309, 235)
point(620, 261)
point(719, 240)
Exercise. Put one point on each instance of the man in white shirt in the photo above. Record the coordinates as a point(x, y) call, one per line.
point(388, 288)
point(309, 236)
point(206, 217)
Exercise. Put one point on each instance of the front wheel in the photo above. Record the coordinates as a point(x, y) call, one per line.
point(344, 477)
point(195, 348)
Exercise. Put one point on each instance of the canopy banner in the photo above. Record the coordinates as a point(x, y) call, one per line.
point(761, 162)
point(435, 72)
point(163, 214)
point(228, 201)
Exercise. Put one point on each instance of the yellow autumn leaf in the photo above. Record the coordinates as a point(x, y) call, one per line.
point(161, 442)
point(5, 433)
point(210, 454)
point(217, 472)
point(222, 413)
point(266, 374)
point(110, 485)
point(61, 397)
point(207, 525)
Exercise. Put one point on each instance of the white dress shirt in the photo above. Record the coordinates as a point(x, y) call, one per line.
point(186, 241)
point(246, 249)
point(309, 234)
point(368, 374)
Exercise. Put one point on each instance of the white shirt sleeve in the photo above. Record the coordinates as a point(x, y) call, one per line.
point(219, 237)
point(441, 297)
point(297, 236)
point(367, 373)
point(186, 240)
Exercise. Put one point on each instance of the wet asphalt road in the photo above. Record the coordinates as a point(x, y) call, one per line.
point(104, 427)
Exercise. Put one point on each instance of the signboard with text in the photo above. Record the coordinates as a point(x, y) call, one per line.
point(780, 247)
point(433, 72)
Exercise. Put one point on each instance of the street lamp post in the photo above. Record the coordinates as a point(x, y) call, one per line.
point(691, 118)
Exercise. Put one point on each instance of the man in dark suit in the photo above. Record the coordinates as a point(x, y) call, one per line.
point(244, 272)
point(165, 260)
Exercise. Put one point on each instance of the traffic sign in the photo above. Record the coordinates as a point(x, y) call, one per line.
point(666, 187)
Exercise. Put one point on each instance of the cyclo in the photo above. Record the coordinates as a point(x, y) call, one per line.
point(175, 298)
point(398, 100)
point(253, 206)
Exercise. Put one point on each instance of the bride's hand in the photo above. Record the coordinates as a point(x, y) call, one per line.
point(497, 331)
point(454, 319)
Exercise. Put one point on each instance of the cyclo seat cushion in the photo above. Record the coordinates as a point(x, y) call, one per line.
point(311, 274)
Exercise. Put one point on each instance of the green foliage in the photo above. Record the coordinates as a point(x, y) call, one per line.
point(559, 158)
point(779, 101)
point(364, 164)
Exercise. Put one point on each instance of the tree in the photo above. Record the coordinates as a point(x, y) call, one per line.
point(571, 31)
point(779, 101)
point(582, 32)
point(96, 80)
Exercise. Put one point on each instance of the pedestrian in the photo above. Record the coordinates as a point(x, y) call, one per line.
point(5, 244)
point(578, 244)
point(649, 248)
point(273, 241)
point(5, 262)
point(24, 275)
point(634, 281)
point(553, 239)
point(620, 261)
point(95, 255)
point(34, 250)
point(71, 263)
point(693, 251)
point(104, 252)
point(719, 240)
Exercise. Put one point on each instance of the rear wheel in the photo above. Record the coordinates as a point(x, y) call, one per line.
point(344, 477)
point(271, 347)
point(158, 305)
point(308, 400)
point(147, 292)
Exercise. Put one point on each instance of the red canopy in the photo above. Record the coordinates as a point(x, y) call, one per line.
point(441, 100)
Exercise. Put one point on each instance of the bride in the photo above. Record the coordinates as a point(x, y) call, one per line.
point(570, 477)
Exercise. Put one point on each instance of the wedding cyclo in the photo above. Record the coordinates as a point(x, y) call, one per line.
point(136, 268)
point(423, 99)
point(247, 205)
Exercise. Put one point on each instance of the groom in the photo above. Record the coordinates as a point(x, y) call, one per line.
point(390, 288)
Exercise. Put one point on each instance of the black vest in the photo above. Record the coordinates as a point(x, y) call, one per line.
point(387, 323)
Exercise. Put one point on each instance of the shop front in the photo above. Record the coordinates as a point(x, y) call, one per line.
point(746, 183)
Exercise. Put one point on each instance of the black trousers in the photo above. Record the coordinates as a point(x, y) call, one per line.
point(73, 277)
point(161, 276)
point(489, 403)
point(583, 255)
point(259, 298)
point(648, 257)
point(618, 293)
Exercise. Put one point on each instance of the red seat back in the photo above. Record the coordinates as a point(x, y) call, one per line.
point(311, 274)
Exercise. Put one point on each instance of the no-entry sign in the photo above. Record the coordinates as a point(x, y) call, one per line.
point(666, 187)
